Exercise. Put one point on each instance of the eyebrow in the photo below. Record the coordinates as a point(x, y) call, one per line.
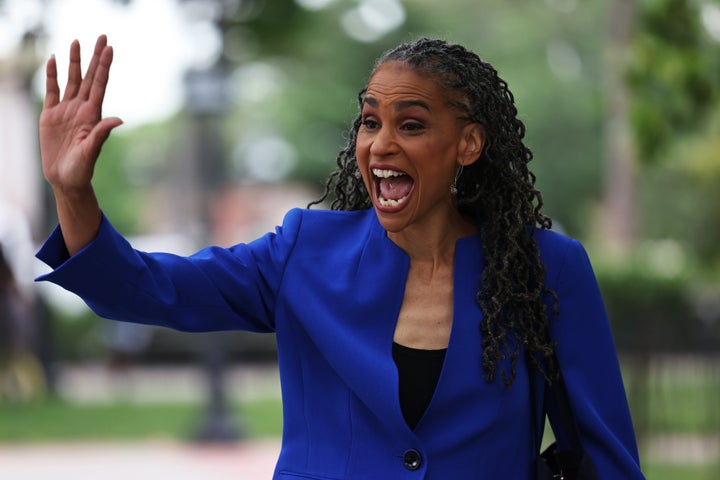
point(402, 105)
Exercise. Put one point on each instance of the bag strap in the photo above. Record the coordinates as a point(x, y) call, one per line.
point(558, 394)
point(537, 405)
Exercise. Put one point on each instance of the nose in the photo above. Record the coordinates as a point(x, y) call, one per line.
point(384, 142)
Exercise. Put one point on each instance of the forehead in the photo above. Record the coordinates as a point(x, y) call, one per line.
point(396, 80)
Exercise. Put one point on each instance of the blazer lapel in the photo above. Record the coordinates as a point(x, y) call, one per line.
point(357, 342)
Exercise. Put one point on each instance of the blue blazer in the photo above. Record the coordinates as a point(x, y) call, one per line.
point(330, 285)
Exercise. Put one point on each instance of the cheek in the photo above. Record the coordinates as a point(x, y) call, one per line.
point(438, 165)
point(362, 146)
point(362, 159)
point(362, 156)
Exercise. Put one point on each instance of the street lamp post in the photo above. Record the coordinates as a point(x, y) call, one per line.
point(207, 101)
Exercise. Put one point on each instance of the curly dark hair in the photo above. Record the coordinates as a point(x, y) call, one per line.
point(498, 190)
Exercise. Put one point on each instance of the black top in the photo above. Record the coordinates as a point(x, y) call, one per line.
point(419, 371)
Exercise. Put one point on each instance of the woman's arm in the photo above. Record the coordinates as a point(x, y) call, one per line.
point(215, 289)
point(588, 358)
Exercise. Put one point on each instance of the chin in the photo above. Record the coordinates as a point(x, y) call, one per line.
point(391, 222)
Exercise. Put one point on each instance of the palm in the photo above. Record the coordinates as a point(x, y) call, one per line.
point(64, 132)
point(71, 130)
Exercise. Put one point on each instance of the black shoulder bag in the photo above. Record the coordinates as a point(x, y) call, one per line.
point(553, 463)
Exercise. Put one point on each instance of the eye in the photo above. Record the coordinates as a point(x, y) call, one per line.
point(412, 126)
point(370, 124)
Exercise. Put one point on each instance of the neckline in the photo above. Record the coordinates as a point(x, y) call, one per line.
point(418, 351)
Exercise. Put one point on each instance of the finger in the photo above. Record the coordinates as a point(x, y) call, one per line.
point(74, 71)
point(100, 133)
point(87, 82)
point(100, 78)
point(52, 89)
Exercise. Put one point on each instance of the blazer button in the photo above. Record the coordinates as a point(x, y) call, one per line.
point(412, 459)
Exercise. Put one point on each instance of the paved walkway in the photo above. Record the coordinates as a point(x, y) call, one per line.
point(96, 383)
point(139, 461)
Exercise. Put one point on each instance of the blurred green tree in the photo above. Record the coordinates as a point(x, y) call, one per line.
point(674, 78)
point(674, 74)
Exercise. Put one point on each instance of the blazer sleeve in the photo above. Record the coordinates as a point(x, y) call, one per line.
point(589, 362)
point(214, 289)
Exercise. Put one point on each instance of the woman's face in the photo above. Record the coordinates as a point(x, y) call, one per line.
point(410, 146)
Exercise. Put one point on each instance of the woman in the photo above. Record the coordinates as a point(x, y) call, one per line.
point(404, 314)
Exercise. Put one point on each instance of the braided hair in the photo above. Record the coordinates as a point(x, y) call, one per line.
point(498, 190)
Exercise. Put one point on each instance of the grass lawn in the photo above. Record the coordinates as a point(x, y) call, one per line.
point(659, 471)
point(54, 420)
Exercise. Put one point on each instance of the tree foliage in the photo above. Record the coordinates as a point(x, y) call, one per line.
point(674, 74)
point(674, 79)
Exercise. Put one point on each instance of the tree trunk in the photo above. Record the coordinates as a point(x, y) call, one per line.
point(618, 216)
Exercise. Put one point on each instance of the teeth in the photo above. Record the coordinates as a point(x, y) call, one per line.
point(378, 172)
point(389, 202)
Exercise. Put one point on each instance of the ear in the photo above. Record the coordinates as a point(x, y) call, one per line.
point(472, 141)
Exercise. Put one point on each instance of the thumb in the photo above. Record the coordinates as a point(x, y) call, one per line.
point(100, 133)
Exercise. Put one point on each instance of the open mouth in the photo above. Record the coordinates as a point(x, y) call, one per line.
point(393, 187)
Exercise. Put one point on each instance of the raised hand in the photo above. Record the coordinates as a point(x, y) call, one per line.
point(72, 132)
